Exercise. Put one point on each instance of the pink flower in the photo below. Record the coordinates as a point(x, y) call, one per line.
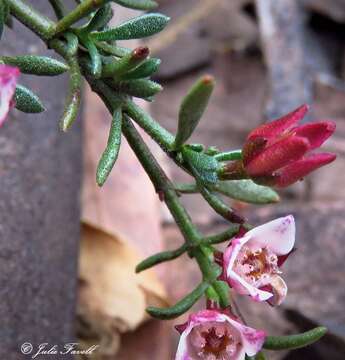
point(278, 153)
point(8, 80)
point(213, 335)
point(252, 262)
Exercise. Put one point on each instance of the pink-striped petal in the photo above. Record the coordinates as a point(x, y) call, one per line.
point(280, 125)
point(296, 171)
point(278, 155)
point(8, 80)
point(278, 235)
point(316, 133)
point(251, 339)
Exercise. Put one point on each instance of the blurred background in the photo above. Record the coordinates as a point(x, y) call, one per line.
point(268, 57)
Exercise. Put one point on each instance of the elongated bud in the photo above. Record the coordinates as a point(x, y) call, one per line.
point(127, 63)
point(146, 69)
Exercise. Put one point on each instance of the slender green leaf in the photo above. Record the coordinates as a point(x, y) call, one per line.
point(294, 341)
point(192, 108)
point(146, 69)
point(181, 307)
point(137, 28)
point(27, 101)
point(116, 68)
point(141, 88)
point(100, 19)
point(204, 166)
point(137, 4)
point(247, 191)
point(74, 96)
point(96, 61)
point(111, 152)
point(37, 65)
point(160, 257)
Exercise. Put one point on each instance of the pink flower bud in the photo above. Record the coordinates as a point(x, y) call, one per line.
point(212, 334)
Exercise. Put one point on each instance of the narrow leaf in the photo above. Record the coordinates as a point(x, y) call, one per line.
point(96, 61)
point(294, 341)
point(27, 101)
point(37, 65)
point(111, 152)
point(146, 69)
point(100, 19)
point(141, 88)
point(139, 27)
point(160, 257)
point(74, 96)
point(137, 4)
point(192, 108)
point(247, 191)
point(204, 166)
point(127, 63)
point(181, 307)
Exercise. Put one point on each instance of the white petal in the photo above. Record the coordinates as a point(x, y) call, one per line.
point(278, 235)
point(279, 289)
point(242, 287)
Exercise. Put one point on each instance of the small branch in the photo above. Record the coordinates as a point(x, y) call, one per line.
point(224, 236)
point(83, 9)
point(144, 120)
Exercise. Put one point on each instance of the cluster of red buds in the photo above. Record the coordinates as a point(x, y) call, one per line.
point(278, 153)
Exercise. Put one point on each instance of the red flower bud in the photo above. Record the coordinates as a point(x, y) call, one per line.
point(277, 153)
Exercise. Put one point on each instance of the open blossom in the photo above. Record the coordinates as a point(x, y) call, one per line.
point(214, 335)
point(8, 80)
point(252, 262)
point(278, 153)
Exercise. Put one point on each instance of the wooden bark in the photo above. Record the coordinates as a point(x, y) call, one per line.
point(282, 36)
point(40, 171)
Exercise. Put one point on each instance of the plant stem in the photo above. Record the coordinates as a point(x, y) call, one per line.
point(37, 22)
point(83, 9)
point(144, 120)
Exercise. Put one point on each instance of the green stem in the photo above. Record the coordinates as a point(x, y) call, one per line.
point(37, 22)
point(229, 155)
point(82, 10)
point(224, 236)
point(219, 206)
point(144, 120)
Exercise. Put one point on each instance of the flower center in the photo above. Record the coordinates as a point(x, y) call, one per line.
point(214, 341)
point(256, 265)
